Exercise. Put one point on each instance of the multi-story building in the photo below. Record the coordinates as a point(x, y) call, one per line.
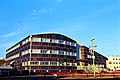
point(86, 59)
point(113, 63)
point(2, 61)
point(49, 52)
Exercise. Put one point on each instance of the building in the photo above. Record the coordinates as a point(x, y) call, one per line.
point(5, 70)
point(113, 63)
point(49, 52)
point(2, 61)
point(86, 60)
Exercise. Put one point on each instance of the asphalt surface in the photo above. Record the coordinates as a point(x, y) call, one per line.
point(52, 78)
point(29, 78)
point(67, 77)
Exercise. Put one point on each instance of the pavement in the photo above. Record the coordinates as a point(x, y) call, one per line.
point(91, 77)
point(64, 77)
point(29, 78)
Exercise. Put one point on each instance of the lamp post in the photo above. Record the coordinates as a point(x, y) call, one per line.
point(93, 56)
point(30, 55)
point(73, 68)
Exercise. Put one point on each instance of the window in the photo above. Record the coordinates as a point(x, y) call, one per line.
point(68, 53)
point(34, 63)
point(60, 41)
point(35, 50)
point(61, 63)
point(43, 51)
point(44, 63)
point(67, 64)
point(25, 41)
point(113, 59)
point(61, 52)
point(67, 43)
point(45, 40)
point(72, 44)
point(53, 63)
point(41, 63)
point(53, 41)
point(73, 53)
point(53, 51)
point(110, 62)
point(88, 56)
point(36, 39)
point(113, 62)
point(116, 62)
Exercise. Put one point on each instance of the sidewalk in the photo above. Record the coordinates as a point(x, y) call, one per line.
point(90, 77)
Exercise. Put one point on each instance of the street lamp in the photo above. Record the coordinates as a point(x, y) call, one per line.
point(93, 56)
point(47, 71)
point(59, 70)
point(30, 54)
point(73, 64)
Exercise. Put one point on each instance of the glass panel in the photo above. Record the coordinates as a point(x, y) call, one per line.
point(61, 52)
point(67, 43)
point(60, 41)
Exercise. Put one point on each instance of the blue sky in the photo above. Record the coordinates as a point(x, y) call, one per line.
point(78, 19)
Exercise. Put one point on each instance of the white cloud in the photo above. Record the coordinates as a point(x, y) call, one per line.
point(6, 45)
point(34, 12)
point(20, 29)
point(41, 11)
point(9, 34)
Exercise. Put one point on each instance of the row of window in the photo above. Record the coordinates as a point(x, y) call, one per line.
point(45, 51)
point(116, 59)
point(15, 47)
point(53, 52)
point(101, 65)
point(89, 56)
point(97, 65)
point(48, 40)
point(115, 67)
point(42, 40)
point(114, 62)
point(48, 63)
point(14, 56)
point(25, 41)
point(53, 41)
point(26, 52)
point(18, 45)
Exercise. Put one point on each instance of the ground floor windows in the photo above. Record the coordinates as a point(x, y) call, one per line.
point(53, 63)
point(47, 63)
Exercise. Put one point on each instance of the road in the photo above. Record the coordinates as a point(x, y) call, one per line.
point(29, 78)
point(65, 77)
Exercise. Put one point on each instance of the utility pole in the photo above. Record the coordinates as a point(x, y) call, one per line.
point(93, 56)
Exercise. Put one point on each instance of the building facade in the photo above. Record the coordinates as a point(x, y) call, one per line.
point(49, 52)
point(113, 63)
point(86, 59)
point(5, 70)
point(2, 61)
